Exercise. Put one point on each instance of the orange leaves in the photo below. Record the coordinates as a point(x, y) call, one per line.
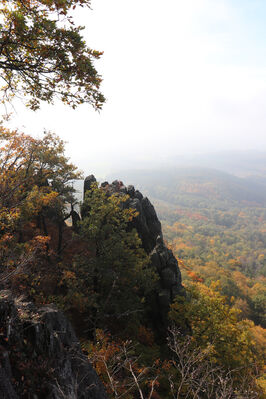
point(120, 369)
point(39, 242)
point(194, 277)
point(68, 275)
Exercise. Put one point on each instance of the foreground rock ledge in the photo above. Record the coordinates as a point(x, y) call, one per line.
point(40, 356)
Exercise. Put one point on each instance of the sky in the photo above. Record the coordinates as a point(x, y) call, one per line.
point(180, 77)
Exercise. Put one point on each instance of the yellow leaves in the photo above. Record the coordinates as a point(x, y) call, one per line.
point(34, 185)
point(8, 216)
point(214, 322)
point(261, 381)
point(69, 275)
point(49, 199)
point(37, 199)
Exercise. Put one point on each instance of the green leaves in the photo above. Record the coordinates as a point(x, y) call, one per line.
point(119, 268)
point(214, 322)
point(43, 55)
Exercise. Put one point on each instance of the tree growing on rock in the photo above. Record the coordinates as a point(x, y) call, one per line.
point(118, 271)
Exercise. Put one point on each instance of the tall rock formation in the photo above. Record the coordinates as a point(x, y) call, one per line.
point(149, 229)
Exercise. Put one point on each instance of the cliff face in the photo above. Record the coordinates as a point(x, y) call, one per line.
point(40, 355)
point(149, 229)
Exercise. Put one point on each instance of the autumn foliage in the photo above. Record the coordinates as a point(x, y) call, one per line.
point(43, 55)
point(33, 183)
point(99, 274)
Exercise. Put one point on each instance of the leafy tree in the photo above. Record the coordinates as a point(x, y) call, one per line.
point(118, 270)
point(214, 323)
point(195, 375)
point(35, 181)
point(31, 168)
point(43, 55)
point(258, 303)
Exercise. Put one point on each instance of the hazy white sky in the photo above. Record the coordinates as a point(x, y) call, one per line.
point(180, 76)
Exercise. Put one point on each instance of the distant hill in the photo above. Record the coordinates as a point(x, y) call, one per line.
point(239, 163)
point(197, 187)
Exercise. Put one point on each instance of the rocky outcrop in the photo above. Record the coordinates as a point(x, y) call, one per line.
point(149, 229)
point(40, 357)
